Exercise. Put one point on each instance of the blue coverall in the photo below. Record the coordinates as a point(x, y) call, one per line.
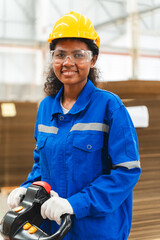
point(89, 156)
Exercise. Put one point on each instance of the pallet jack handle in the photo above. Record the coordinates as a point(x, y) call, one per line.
point(62, 231)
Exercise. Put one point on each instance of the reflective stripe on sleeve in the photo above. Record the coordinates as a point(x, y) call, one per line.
point(129, 165)
point(47, 129)
point(90, 126)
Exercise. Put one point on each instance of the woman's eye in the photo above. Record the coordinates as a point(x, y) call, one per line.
point(79, 55)
point(59, 55)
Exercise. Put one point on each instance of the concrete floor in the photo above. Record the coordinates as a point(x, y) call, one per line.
point(3, 206)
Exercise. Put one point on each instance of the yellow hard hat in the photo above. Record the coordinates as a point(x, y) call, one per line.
point(74, 25)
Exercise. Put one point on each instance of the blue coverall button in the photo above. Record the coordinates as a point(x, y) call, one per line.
point(89, 146)
point(36, 147)
point(61, 118)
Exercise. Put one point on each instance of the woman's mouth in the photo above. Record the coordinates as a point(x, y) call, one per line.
point(69, 73)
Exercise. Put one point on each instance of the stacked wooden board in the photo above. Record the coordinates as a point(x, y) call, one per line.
point(17, 144)
point(146, 201)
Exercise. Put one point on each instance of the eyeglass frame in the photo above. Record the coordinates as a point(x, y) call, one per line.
point(69, 56)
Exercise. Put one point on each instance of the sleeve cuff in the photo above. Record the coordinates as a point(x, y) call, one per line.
point(25, 184)
point(80, 205)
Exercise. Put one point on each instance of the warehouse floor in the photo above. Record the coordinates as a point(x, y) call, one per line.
point(3, 206)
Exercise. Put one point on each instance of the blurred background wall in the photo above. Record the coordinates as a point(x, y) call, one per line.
point(129, 62)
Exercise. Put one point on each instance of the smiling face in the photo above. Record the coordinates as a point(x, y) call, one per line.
point(68, 72)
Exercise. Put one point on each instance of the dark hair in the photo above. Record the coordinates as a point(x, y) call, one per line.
point(53, 84)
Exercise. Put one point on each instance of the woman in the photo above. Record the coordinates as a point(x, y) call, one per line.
point(87, 147)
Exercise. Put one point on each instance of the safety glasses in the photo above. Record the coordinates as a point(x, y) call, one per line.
point(77, 56)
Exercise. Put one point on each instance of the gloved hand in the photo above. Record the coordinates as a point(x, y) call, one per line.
point(55, 207)
point(53, 194)
point(15, 197)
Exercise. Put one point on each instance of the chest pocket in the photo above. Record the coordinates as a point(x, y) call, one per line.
point(41, 141)
point(88, 143)
point(87, 153)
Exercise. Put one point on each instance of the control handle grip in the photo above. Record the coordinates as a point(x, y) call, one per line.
point(62, 231)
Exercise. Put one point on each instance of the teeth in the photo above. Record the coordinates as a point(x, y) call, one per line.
point(68, 73)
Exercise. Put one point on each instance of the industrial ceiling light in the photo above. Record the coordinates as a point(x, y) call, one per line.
point(8, 110)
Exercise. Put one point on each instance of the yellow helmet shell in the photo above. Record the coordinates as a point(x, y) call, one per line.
point(74, 25)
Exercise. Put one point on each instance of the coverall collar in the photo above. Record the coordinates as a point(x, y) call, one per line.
point(80, 103)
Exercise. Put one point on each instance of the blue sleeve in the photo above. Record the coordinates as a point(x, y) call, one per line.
point(107, 192)
point(35, 175)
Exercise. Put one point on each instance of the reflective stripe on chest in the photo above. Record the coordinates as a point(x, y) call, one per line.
point(77, 127)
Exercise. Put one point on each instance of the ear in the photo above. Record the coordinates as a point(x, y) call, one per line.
point(93, 61)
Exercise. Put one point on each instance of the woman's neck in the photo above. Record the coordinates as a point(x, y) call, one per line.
point(70, 95)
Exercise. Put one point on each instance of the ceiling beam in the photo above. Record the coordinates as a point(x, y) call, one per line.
point(25, 10)
point(117, 1)
point(123, 18)
point(109, 14)
point(56, 7)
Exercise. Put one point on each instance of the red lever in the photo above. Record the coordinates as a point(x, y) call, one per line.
point(46, 186)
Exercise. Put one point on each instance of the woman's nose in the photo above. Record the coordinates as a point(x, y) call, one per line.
point(68, 61)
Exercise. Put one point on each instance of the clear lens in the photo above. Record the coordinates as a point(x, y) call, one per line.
point(78, 56)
